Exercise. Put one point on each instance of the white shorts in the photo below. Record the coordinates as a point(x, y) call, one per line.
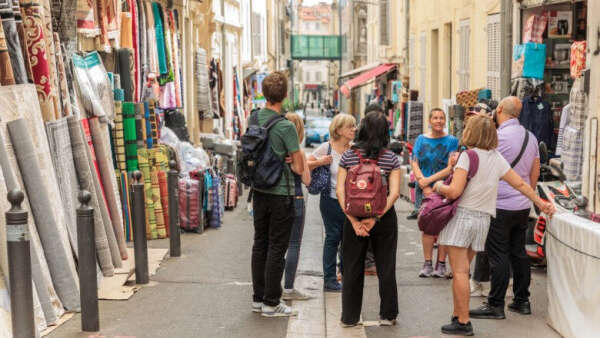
point(467, 229)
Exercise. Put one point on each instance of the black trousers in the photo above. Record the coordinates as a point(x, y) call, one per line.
point(481, 273)
point(505, 247)
point(273, 220)
point(384, 239)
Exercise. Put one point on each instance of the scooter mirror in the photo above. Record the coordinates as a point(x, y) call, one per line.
point(543, 148)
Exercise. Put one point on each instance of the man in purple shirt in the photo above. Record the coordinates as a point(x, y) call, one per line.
point(505, 243)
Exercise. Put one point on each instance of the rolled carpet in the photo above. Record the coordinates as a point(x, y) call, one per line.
point(86, 182)
point(115, 253)
point(61, 153)
point(156, 202)
point(144, 162)
point(40, 273)
point(45, 209)
point(100, 137)
point(164, 198)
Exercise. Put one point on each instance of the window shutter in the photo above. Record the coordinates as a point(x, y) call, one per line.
point(384, 23)
point(411, 62)
point(423, 66)
point(464, 64)
point(493, 55)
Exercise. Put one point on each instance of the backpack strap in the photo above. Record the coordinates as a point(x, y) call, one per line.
point(523, 147)
point(272, 121)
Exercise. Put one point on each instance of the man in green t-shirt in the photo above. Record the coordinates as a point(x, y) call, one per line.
point(273, 207)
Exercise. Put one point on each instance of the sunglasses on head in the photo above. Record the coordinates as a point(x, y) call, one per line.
point(479, 109)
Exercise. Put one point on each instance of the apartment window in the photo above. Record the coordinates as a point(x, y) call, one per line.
point(423, 66)
point(411, 63)
point(384, 22)
point(464, 63)
point(317, 27)
point(493, 55)
point(318, 76)
point(307, 26)
point(307, 77)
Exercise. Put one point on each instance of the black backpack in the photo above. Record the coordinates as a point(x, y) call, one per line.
point(257, 165)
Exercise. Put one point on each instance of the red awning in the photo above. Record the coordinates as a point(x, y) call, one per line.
point(365, 77)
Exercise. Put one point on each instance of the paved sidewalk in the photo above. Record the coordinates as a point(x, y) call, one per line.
point(207, 293)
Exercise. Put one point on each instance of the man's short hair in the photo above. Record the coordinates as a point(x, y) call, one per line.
point(511, 105)
point(274, 87)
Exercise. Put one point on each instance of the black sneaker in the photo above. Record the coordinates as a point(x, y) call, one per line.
point(413, 215)
point(457, 329)
point(487, 311)
point(523, 308)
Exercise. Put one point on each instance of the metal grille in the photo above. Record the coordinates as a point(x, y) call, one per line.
point(464, 62)
point(493, 55)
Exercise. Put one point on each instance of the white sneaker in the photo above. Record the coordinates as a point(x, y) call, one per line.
point(386, 322)
point(294, 294)
point(257, 307)
point(476, 288)
point(485, 288)
point(280, 310)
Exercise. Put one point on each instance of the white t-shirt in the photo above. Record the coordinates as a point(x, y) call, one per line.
point(482, 190)
point(335, 164)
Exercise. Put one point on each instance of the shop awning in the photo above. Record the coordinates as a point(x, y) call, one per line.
point(360, 70)
point(365, 77)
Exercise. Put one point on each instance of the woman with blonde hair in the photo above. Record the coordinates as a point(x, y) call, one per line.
point(293, 253)
point(341, 132)
point(466, 232)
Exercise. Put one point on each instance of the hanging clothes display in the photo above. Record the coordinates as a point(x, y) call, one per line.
point(537, 118)
point(572, 147)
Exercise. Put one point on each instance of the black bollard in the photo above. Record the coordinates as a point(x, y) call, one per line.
point(88, 282)
point(173, 184)
point(140, 244)
point(19, 267)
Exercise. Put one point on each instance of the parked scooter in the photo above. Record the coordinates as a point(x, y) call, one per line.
point(552, 187)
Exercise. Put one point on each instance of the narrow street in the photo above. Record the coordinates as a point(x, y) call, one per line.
point(207, 293)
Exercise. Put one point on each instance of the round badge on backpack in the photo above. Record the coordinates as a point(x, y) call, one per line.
point(361, 184)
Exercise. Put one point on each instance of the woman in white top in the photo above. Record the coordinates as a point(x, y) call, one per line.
point(341, 131)
point(466, 232)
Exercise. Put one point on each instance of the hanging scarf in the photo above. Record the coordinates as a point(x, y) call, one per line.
point(126, 28)
point(136, 60)
point(165, 78)
point(160, 38)
point(102, 8)
point(153, 67)
point(143, 41)
point(175, 54)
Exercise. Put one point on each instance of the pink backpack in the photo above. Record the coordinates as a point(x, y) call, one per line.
point(366, 194)
point(436, 210)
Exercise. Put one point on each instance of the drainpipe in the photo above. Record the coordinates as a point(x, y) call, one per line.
point(506, 27)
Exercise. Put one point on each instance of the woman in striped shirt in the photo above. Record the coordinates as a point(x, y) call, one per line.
point(382, 231)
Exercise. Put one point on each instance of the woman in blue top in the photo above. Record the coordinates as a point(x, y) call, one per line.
point(430, 155)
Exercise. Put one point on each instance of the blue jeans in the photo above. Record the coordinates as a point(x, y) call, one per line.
point(293, 253)
point(333, 219)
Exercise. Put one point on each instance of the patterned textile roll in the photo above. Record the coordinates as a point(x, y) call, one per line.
point(51, 56)
point(65, 98)
point(21, 32)
point(12, 41)
point(102, 6)
point(176, 59)
point(124, 182)
point(153, 124)
point(87, 18)
point(6, 73)
point(160, 38)
point(125, 72)
point(164, 197)
point(143, 46)
point(144, 163)
point(140, 134)
point(156, 201)
point(126, 30)
point(118, 136)
point(136, 56)
point(36, 49)
point(129, 136)
point(148, 126)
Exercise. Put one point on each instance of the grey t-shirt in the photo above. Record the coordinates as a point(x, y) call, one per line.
point(335, 163)
point(482, 190)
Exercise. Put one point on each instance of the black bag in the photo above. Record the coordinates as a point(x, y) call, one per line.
point(258, 166)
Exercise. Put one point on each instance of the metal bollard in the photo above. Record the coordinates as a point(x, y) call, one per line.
point(174, 237)
point(140, 244)
point(19, 267)
point(88, 282)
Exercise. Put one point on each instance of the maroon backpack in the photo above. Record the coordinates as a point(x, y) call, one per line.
point(366, 193)
point(436, 210)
